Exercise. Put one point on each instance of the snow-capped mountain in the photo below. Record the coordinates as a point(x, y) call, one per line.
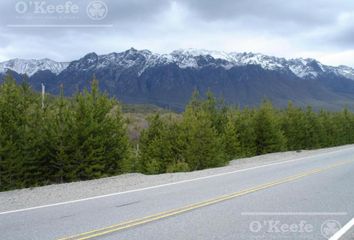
point(194, 58)
point(303, 68)
point(31, 66)
point(184, 58)
point(345, 71)
point(141, 76)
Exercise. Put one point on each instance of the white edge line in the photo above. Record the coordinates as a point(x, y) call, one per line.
point(343, 230)
point(169, 184)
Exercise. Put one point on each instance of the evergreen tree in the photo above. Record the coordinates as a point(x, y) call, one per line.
point(204, 147)
point(12, 122)
point(270, 137)
point(61, 123)
point(294, 127)
point(231, 141)
point(247, 132)
point(161, 147)
point(85, 137)
point(154, 149)
point(320, 132)
point(99, 135)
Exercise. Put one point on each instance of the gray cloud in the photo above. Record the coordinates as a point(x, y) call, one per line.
point(317, 28)
point(344, 38)
point(300, 12)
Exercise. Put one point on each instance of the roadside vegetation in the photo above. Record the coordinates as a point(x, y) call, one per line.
point(88, 136)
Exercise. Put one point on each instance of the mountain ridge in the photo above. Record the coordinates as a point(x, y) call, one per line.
point(168, 80)
point(31, 66)
point(186, 58)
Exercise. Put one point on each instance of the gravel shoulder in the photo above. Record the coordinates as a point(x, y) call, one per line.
point(51, 194)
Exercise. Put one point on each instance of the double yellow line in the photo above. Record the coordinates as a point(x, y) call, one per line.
point(173, 212)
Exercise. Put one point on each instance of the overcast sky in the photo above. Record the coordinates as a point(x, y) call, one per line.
point(321, 29)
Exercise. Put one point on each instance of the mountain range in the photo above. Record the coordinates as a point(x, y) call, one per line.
point(168, 80)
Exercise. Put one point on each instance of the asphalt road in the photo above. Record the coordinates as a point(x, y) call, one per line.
point(309, 198)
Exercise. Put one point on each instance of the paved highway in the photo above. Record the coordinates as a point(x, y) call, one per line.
point(309, 198)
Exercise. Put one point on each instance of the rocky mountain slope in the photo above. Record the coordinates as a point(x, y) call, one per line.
point(168, 79)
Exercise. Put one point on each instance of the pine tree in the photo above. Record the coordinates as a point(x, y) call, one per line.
point(204, 147)
point(99, 135)
point(343, 125)
point(161, 147)
point(270, 137)
point(153, 147)
point(231, 141)
point(320, 129)
point(59, 127)
point(11, 126)
point(85, 137)
point(217, 111)
point(247, 133)
point(294, 127)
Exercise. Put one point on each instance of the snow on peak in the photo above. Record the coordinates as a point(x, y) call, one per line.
point(191, 58)
point(303, 68)
point(346, 71)
point(31, 66)
point(266, 62)
point(202, 52)
point(142, 60)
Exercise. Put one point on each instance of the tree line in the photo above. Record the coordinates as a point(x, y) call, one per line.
point(85, 136)
point(210, 134)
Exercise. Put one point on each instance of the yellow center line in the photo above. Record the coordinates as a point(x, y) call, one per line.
point(173, 212)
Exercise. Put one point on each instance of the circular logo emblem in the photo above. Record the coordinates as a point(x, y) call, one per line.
point(97, 10)
point(329, 228)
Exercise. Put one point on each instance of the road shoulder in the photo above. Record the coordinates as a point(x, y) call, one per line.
point(52, 194)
